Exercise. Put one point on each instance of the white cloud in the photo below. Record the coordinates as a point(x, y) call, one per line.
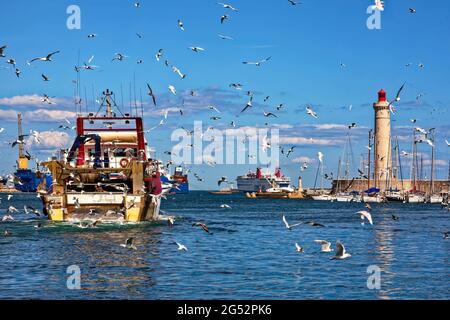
point(302, 160)
point(330, 126)
point(51, 139)
point(33, 100)
point(8, 115)
point(43, 115)
point(310, 141)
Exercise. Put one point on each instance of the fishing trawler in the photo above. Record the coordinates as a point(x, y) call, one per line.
point(107, 175)
point(179, 181)
point(25, 179)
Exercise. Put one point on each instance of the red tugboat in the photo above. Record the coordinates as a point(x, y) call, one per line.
point(107, 175)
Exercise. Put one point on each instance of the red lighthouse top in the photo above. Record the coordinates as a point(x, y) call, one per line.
point(381, 95)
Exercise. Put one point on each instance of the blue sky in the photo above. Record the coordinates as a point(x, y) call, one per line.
point(307, 43)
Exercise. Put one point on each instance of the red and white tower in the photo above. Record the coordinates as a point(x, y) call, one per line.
point(382, 142)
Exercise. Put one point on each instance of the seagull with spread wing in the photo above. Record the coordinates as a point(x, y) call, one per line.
point(46, 58)
point(249, 104)
point(311, 112)
point(257, 63)
point(150, 93)
point(227, 6)
point(287, 225)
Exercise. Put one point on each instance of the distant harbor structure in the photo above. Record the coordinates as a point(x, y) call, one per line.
point(382, 171)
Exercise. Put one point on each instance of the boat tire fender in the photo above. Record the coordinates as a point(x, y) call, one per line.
point(124, 162)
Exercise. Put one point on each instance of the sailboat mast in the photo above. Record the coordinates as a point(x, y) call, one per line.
point(20, 134)
point(432, 165)
point(338, 176)
point(369, 159)
point(414, 162)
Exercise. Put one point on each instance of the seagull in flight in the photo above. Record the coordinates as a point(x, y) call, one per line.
point(311, 112)
point(150, 93)
point(269, 114)
point(236, 86)
point(172, 90)
point(2, 51)
point(294, 3)
point(397, 97)
point(159, 54)
point(325, 245)
point(257, 63)
point(181, 24)
point(11, 62)
point(118, 57)
point(249, 104)
point(320, 156)
point(181, 247)
point(298, 248)
point(423, 131)
point(46, 58)
point(365, 215)
point(222, 180)
point(129, 244)
point(291, 149)
point(379, 5)
point(213, 108)
point(227, 6)
point(224, 37)
point(201, 225)
point(197, 49)
point(178, 71)
point(287, 225)
point(224, 18)
point(340, 252)
point(314, 224)
point(45, 78)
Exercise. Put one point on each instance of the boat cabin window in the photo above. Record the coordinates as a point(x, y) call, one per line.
point(120, 152)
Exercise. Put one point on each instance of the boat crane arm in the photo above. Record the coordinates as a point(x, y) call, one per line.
point(82, 139)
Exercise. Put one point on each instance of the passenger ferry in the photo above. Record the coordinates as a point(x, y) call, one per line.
point(259, 182)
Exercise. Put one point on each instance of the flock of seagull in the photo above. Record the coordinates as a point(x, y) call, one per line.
point(160, 54)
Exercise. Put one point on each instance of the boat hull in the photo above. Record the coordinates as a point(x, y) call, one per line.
point(29, 180)
point(103, 207)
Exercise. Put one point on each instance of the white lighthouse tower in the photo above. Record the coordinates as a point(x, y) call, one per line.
point(382, 142)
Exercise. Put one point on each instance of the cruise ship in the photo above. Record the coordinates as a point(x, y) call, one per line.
point(259, 182)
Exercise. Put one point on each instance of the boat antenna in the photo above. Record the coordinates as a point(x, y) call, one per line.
point(142, 109)
point(369, 159)
point(399, 162)
point(131, 108)
point(134, 93)
point(85, 99)
point(121, 94)
point(93, 96)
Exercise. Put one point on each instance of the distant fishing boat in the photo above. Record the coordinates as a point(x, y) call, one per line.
point(25, 179)
point(179, 181)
